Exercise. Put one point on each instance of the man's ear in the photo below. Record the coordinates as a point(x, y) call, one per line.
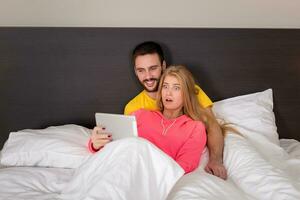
point(134, 70)
point(164, 65)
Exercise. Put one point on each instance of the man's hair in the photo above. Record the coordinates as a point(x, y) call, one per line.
point(148, 47)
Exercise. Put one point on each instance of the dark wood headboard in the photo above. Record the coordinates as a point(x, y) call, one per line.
point(54, 76)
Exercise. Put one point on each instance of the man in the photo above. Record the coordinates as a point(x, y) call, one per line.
point(149, 64)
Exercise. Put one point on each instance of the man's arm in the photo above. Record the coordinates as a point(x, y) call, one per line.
point(215, 144)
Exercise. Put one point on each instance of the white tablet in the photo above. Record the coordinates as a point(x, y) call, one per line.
point(120, 126)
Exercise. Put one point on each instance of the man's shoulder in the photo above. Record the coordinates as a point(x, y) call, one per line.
point(133, 103)
point(142, 100)
point(204, 100)
point(198, 88)
point(136, 99)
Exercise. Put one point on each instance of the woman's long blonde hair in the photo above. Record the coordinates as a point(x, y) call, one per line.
point(191, 106)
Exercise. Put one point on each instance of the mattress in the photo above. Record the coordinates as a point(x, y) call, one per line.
point(47, 183)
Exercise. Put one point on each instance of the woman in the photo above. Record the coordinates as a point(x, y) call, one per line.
point(177, 128)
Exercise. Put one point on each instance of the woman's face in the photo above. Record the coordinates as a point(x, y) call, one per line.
point(172, 94)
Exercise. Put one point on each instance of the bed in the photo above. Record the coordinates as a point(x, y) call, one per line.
point(53, 80)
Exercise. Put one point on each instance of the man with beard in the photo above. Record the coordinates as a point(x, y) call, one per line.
point(149, 64)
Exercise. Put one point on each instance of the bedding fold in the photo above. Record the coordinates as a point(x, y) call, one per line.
point(126, 169)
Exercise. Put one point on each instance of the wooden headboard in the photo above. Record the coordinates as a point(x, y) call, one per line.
point(54, 76)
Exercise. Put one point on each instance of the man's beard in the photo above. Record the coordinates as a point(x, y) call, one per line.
point(155, 82)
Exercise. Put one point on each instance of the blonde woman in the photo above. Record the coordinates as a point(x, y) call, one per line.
point(178, 128)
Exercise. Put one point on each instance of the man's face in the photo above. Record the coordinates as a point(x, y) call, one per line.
point(148, 69)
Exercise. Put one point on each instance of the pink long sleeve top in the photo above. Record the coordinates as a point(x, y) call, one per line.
point(181, 138)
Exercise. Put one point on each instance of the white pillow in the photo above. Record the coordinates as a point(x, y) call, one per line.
point(56, 146)
point(252, 115)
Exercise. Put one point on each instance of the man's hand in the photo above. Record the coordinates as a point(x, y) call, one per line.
point(216, 168)
point(215, 144)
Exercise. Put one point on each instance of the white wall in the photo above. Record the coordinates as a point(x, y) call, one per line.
point(152, 13)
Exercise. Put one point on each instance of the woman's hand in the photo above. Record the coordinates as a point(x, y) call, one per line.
point(100, 137)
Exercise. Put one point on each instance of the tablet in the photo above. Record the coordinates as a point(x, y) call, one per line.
point(120, 126)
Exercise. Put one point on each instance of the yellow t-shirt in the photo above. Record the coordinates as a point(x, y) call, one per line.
point(142, 100)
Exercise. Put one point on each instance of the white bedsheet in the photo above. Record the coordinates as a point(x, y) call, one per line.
point(34, 183)
point(261, 171)
point(255, 172)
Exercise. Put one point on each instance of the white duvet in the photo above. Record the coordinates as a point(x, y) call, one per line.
point(126, 169)
point(261, 171)
point(135, 169)
point(32, 183)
